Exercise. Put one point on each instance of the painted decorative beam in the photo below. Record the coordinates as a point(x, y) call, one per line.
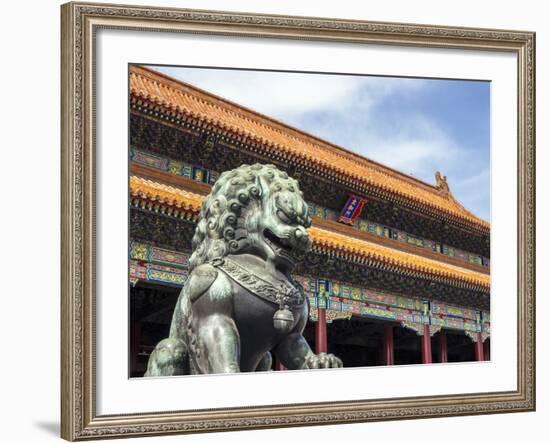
point(335, 298)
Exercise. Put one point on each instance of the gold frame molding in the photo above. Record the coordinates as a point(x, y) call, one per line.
point(80, 21)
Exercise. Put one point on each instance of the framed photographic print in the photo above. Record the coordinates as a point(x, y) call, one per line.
point(283, 221)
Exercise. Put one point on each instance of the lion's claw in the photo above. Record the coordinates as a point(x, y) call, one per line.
point(322, 361)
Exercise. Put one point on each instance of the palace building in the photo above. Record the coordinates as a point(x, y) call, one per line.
point(399, 271)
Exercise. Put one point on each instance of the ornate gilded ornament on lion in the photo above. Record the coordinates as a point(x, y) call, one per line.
point(240, 304)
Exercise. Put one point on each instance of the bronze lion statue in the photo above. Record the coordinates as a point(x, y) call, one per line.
point(240, 304)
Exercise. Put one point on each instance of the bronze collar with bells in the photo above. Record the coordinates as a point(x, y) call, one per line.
point(284, 295)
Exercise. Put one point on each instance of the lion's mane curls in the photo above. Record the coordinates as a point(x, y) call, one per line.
point(229, 214)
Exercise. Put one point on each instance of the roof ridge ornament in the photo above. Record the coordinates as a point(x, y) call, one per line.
point(441, 183)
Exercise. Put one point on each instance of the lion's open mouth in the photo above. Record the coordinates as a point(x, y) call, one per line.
point(279, 243)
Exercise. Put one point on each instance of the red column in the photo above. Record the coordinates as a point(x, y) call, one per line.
point(480, 355)
point(388, 345)
point(443, 347)
point(426, 345)
point(321, 331)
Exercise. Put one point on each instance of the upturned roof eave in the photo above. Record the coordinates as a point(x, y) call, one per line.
point(467, 219)
point(188, 205)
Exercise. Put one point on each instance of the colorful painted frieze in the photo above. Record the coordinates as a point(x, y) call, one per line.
point(172, 166)
point(337, 315)
point(461, 255)
point(159, 255)
point(378, 312)
point(187, 171)
point(408, 303)
point(321, 302)
point(428, 244)
point(148, 159)
point(334, 304)
point(402, 315)
point(308, 284)
point(154, 254)
point(165, 276)
point(200, 174)
point(138, 271)
point(323, 288)
point(448, 322)
point(212, 177)
point(439, 308)
point(139, 251)
point(471, 326)
point(330, 315)
point(157, 273)
point(175, 167)
point(151, 263)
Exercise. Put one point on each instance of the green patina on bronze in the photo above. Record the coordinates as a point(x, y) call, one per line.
point(241, 303)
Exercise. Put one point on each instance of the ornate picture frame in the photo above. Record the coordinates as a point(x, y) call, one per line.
point(80, 23)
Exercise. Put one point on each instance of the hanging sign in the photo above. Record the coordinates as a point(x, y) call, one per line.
point(352, 209)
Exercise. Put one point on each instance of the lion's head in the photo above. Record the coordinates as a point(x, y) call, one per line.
point(253, 209)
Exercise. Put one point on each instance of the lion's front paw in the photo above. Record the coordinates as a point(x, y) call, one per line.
point(321, 361)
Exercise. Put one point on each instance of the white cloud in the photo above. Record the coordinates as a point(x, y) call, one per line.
point(415, 146)
point(286, 95)
point(352, 111)
point(411, 143)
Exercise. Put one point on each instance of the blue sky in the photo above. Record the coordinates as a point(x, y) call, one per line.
point(417, 126)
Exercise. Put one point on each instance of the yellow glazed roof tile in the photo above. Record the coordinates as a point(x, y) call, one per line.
point(183, 98)
point(325, 239)
point(163, 194)
point(363, 248)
